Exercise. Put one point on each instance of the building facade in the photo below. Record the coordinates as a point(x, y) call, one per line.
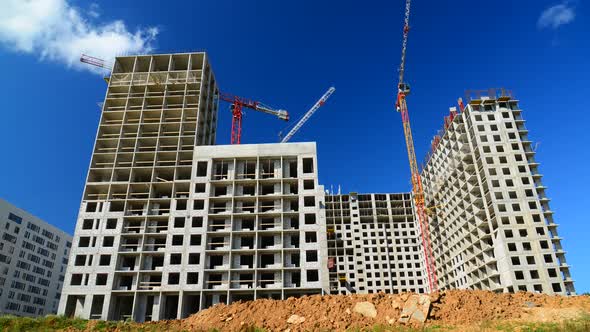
point(265, 234)
point(374, 244)
point(159, 235)
point(491, 225)
point(33, 260)
point(157, 108)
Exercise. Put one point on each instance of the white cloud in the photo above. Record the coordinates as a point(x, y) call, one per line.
point(557, 15)
point(94, 10)
point(56, 31)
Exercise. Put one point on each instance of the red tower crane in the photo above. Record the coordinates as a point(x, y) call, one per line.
point(403, 89)
point(237, 103)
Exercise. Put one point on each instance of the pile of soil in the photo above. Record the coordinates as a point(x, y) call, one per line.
point(336, 312)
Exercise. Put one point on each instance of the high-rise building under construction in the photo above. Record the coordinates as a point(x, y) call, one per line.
point(168, 226)
point(170, 223)
point(491, 225)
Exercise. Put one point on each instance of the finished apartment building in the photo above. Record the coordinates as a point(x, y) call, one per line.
point(491, 225)
point(33, 260)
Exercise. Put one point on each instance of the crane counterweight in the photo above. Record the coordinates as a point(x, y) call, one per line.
point(237, 103)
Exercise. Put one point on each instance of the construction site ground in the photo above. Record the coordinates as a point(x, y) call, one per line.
point(457, 310)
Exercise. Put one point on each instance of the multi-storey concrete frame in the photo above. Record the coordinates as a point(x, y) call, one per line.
point(157, 109)
point(374, 244)
point(491, 224)
point(265, 234)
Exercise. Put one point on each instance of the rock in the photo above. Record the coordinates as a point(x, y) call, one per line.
point(229, 319)
point(295, 319)
point(416, 308)
point(530, 304)
point(348, 311)
point(366, 309)
point(389, 320)
point(395, 304)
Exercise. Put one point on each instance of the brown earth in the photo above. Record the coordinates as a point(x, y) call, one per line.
point(336, 312)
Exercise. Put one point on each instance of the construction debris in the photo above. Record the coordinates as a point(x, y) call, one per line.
point(360, 311)
point(416, 308)
point(366, 309)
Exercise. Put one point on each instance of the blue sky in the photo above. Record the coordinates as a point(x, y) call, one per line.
point(286, 54)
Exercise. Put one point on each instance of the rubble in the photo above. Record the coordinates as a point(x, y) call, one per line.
point(364, 311)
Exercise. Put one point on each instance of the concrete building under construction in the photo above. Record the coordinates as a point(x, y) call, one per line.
point(491, 225)
point(171, 223)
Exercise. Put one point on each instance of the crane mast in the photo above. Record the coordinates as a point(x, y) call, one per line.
point(403, 89)
point(308, 114)
point(237, 103)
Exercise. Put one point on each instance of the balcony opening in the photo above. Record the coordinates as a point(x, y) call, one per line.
point(217, 242)
point(266, 279)
point(295, 258)
point(221, 170)
point(247, 242)
point(127, 263)
point(267, 241)
point(295, 279)
point(247, 224)
point(213, 280)
point(266, 260)
point(220, 191)
point(267, 223)
point(268, 189)
point(248, 190)
point(267, 169)
point(247, 261)
point(125, 282)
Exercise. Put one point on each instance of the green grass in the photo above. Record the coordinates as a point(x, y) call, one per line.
point(42, 324)
point(60, 323)
point(581, 324)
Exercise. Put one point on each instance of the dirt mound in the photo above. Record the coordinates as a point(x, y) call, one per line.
point(341, 312)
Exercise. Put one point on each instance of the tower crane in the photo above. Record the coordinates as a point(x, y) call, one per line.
point(403, 89)
point(237, 103)
point(308, 114)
